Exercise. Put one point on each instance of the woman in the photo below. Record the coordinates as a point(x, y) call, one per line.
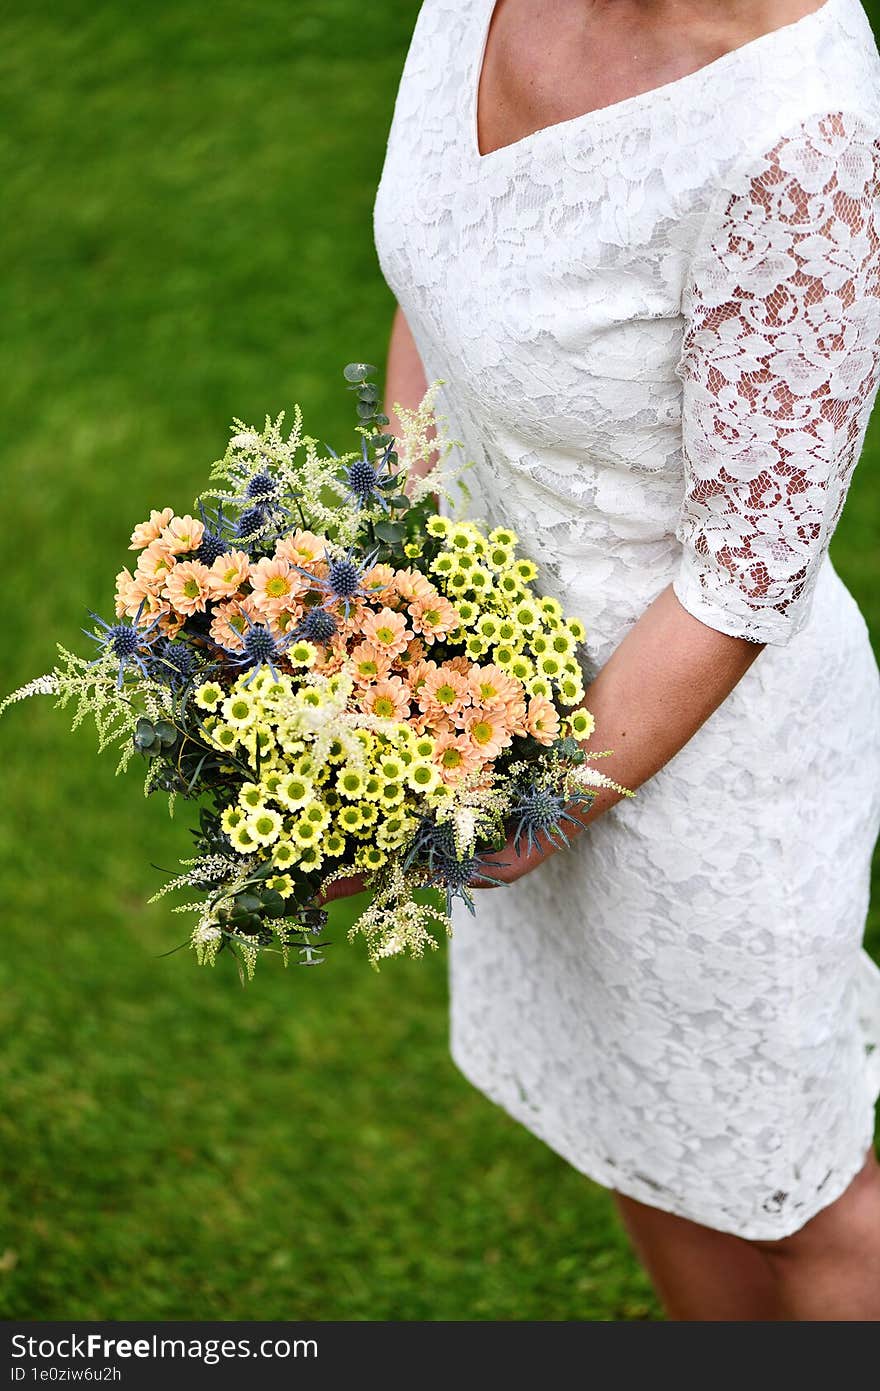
point(638, 241)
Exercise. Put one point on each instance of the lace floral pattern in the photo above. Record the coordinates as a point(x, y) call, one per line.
point(780, 368)
point(658, 329)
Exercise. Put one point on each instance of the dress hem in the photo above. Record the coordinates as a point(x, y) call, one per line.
point(598, 1173)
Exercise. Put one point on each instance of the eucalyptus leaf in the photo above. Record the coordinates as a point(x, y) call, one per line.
point(357, 371)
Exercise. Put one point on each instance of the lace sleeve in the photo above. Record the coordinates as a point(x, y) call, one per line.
point(779, 368)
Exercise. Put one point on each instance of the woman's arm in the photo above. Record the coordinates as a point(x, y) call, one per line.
point(663, 681)
point(405, 382)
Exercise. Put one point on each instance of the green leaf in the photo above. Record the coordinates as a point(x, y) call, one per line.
point(357, 371)
point(392, 532)
point(365, 409)
point(368, 392)
point(400, 501)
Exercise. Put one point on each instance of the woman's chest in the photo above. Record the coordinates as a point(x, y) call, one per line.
point(563, 263)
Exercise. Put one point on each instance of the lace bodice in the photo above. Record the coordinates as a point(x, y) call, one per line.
point(658, 323)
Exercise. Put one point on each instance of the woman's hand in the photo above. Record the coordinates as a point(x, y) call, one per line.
point(506, 866)
point(342, 888)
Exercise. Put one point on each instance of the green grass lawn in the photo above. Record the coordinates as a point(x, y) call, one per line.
point(188, 236)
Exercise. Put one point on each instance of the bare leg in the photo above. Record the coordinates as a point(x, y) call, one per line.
point(830, 1269)
point(827, 1271)
point(701, 1275)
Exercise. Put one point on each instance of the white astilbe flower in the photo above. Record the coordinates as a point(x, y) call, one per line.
point(395, 924)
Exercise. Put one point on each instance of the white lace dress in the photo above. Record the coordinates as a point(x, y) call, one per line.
point(658, 328)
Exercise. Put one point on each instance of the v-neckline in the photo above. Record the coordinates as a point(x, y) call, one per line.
point(598, 113)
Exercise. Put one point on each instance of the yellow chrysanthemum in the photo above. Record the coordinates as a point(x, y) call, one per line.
point(270, 781)
point(251, 796)
point(350, 783)
point(240, 710)
point(230, 818)
point(570, 690)
point(369, 814)
point(265, 825)
point(312, 856)
point(294, 791)
point(282, 884)
point(370, 857)
point(438, 526)
point(581, 723)
point(242, 839)
point(349, 817)
point(525, 570)
point(576, 628)
point(391, 794)
point(467, 612)
point(284, 854)
point(209, 695)
point(503, 536)
point(302, 653)
point(550, 666)
point(423, 777)
point(333, 843)
point(304, 832)
point(224, 736)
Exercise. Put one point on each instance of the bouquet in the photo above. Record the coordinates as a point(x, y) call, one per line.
point(346, 680)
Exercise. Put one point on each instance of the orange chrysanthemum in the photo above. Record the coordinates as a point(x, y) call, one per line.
point(455, 756)
point(188, 587)
point(183, 534)
point(418, 674)
point(228, 574)
point(386, 630)
point(444, 692)
point(388, 699)
point(542, 720)
point(487, 731)
point(433, 617)
point(229, 622)
point(460, 664)
point(379, 583)
point(301, 548)
point(490, 685)
point(145, 532)
point(131, 590)
point(154, 565)
point(411, 585)
point(411, 655)
point(515, 715)
point(368, 663)
point(276, 586)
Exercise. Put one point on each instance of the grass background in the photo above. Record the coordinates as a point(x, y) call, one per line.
point(188, 236)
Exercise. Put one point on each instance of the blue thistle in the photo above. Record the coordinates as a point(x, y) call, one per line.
point(125, 640)
point(261, 487)
point(260, 647)
point(540, 811)
point(252, 520)
point(318, 625)
point(365, 481)
point(344, 579)
point(434, 847)
point(175, 663)
point(214, 541)
point(213, 545)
